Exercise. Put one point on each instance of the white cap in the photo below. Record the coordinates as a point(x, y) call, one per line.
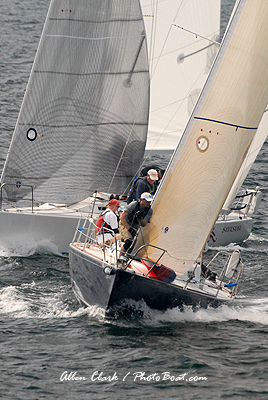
point(153, 174)
point(147, 196)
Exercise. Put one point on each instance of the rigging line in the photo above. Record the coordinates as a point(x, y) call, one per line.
point(226, 123)
point(128, 82)
point(181, 101)
point(153, 38)
point(120, 159)
point(140, 235)
point(178, 11)
point(180, 7)
point(197, 35)
point(153, 69)
point(92, 39)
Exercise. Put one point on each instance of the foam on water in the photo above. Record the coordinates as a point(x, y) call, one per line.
point(28, 247)
point(255, 311)
point(35, 301)
point(31, 301)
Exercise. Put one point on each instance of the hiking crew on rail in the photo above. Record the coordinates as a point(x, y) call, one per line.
point(143, 184)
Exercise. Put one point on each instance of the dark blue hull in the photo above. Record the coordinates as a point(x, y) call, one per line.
point(93, 286)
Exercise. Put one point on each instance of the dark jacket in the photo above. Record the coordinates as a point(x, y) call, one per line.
point(139, 186)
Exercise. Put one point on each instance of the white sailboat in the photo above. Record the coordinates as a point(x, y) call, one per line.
point(79, 109)
point(83, 122)
point(198, 179)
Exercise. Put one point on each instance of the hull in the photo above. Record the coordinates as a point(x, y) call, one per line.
point(52, 230)
point(21, 233)
point(112, 292)
point(231, 230)
point(50, 227)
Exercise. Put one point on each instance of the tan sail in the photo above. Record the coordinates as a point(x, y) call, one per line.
point(215, 142)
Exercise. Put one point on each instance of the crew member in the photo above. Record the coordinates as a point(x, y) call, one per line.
point(137, 213)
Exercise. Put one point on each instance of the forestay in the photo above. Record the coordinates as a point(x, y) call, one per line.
point(179, 62)
point(215, 142)
point(83, 122)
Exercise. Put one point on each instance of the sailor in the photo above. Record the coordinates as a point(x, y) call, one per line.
point(137, 213)
point(143, 184)
point(107, 223)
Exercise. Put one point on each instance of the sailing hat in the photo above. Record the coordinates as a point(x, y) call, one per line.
point(147, 196)
point(114, 202)
point(153, 174)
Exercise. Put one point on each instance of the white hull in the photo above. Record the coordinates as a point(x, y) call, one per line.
point(48, 228)
point(236, 226)
point(231, 230)
point(51, 227)
point(23, 233)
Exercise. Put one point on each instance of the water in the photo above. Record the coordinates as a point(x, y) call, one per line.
point(52, 349)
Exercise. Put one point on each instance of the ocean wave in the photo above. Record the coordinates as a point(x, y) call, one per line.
point(32, 301)
point(27, 248)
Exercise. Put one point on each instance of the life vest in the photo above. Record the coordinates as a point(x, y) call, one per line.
point(101, 224)
point(132, 192)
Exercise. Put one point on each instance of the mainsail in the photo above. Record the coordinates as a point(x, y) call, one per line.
point(215, 142)
point(180, 60)
point(83, 121)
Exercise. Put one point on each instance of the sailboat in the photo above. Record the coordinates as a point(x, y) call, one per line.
point(195, 186)
point(174, 93)
point(83, 122)
point(82, 127)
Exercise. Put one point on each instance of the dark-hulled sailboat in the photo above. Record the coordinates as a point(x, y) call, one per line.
point(165, 268)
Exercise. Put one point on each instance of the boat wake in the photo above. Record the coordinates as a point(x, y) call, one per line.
point(31, 301)
point(254, 311)
point(27, 248)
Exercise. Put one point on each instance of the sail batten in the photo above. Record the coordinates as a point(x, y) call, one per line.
point(210, 153)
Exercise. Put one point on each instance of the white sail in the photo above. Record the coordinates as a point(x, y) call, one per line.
point(85, 110)
point(254, 150)
point(215, 142)
point(179, 62)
